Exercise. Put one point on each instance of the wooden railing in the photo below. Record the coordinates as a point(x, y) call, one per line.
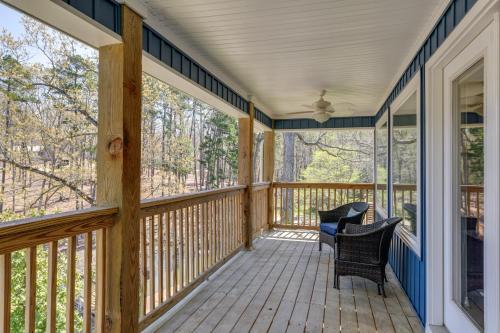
point(184, 238)
point(297, 204)
point(473, 197)
point(260, 208)
point(68, 242)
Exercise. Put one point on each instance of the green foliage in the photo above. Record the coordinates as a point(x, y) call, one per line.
point(326, 168)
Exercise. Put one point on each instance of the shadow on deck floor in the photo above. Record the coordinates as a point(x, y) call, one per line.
point(286, 285)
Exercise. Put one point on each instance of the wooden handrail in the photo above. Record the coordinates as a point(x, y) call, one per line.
point(29, 232)
point(188, 198)
point(261, 186)
point(347, 186)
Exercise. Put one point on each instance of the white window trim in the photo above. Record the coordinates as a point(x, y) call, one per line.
point(484, 14)
point(380, 210)
point(413, 87)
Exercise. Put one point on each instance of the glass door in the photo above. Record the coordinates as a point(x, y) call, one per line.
point(468, 185)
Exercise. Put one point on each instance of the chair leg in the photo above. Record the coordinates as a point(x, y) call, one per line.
point(383, 290)
point(378, 288)
point(320, 246)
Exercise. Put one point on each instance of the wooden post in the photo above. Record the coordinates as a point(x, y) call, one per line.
point(118, 176)
point(269, 173)
point(245, 171)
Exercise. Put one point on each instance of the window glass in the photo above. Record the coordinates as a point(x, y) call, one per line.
point(468, 112)
point(404, 164)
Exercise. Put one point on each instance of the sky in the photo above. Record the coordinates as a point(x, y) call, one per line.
point(10, 20)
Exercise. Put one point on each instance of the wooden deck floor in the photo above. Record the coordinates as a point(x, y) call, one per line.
point(286, 285)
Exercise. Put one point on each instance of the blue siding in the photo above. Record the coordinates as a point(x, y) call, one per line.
point(408, 267)
point(106, 12)
point(339, 122)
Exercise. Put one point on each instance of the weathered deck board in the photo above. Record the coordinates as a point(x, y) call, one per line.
point(286, 285)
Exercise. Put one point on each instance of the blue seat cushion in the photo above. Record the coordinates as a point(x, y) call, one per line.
point(329, 228)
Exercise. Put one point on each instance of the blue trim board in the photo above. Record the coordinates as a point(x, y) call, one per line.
point(106, 12)
point(165, 51)
point(339, 122)
point(263, 118)
point(451, 17)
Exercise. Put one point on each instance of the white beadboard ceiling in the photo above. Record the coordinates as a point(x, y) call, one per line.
point(284, 52)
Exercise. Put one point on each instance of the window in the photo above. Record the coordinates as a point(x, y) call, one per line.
point(381, 166)
point(405, 159)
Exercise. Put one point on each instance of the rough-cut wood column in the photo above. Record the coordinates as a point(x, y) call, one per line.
point(245, 170)
point(269, 173)
point(118, 175)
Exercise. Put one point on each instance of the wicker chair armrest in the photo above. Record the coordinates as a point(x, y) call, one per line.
point(361, 248)
point(351, 228)
point(354, 219)
point(329, 216)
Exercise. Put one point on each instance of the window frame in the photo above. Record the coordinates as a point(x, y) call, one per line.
point(383, 212)
point(414, 242)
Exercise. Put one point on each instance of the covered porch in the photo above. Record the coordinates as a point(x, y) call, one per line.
point(285, 285)
point(142, 224)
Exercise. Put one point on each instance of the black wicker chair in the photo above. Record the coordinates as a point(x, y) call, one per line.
point(363, 250)
point(333, 221)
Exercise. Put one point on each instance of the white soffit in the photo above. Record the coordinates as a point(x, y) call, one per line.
point(285, 51)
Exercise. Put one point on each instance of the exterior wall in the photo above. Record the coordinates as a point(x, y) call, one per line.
point(408, 267)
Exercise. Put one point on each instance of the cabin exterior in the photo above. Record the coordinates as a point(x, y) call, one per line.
point(150, 264)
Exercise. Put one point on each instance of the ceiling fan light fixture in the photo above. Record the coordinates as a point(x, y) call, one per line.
point(321, 117)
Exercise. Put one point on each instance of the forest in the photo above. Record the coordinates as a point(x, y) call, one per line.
point(48, 121)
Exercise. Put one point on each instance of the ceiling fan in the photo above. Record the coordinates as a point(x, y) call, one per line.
point(322, 110)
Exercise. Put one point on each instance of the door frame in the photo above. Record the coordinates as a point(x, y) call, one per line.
point(483, 18)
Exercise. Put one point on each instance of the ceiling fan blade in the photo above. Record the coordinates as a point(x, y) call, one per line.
point(310, 106)
point(302, 112)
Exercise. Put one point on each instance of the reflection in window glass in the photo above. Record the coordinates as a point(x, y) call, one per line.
point(381, 166)
point(468, 96)
point(404, 164)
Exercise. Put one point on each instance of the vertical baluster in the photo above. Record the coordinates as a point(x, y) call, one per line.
point(30, 290)
point(5, 286)
point(298, 207)
point(181, 246)
point(192, 253)
point(205, 236)
point(151, 263)
point(310, 207)
point(168, 247)
point(316, 207)
point(101, 280)
point(322, 198)
point(51, 288)
point(175, 254)
point(160, 258)
point(87, 287)
point(188, 245)
point(144, 262)
point(197, 266)
point(275, 194)
point(70, 286)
